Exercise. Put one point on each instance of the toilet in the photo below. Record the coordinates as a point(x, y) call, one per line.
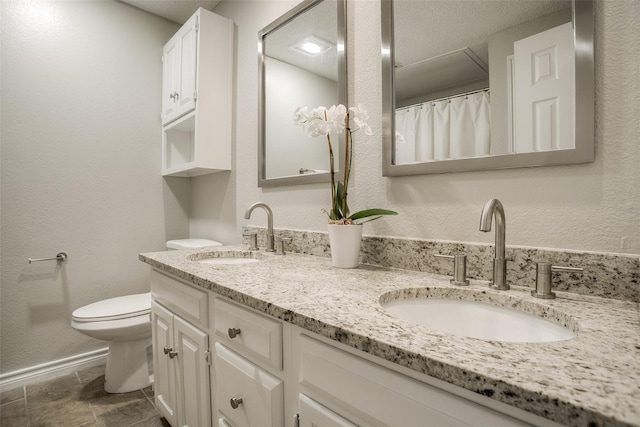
point(125, 323)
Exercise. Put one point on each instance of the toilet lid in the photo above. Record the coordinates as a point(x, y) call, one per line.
point(191, 243)
point(114, 308)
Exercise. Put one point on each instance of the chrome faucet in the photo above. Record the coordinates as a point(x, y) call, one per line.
point(247, 215)
point(493, 208)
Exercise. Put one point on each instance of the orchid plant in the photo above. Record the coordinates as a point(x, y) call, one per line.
point(336, 120)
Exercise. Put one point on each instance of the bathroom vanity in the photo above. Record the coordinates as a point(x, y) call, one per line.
point(257, 339)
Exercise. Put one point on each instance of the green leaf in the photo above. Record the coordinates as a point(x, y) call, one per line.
point(370, 219)
point(372, 212)
point(341, 211)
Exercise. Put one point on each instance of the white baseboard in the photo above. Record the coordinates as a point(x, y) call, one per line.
point(54, 369)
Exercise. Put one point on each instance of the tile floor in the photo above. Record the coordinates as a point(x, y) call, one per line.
point(78, 400)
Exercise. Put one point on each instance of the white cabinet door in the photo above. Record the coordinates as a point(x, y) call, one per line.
point(170, 71)
point(163, 371)
point(313, 414)
point(181, 369)
point(179, 67)
point(194, 400)
point(187, 38)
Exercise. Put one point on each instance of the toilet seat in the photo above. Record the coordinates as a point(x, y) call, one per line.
point(117, 308)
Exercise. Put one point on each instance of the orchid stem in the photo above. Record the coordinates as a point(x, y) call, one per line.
point(346, 166)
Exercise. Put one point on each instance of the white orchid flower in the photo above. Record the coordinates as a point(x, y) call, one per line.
point(323, 122)
point(359, 116)
point(336, 116)
point(300, 117)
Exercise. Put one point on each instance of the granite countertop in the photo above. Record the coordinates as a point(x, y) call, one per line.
point(593, 379)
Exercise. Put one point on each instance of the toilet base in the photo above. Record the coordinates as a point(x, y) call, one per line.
point(127, 366)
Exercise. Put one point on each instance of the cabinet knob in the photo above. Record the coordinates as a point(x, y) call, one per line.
point(170, 352)
point(235, 402)
point(234, 332)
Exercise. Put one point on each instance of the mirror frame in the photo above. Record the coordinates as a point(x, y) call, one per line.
point(301, 8)
point(584, 151)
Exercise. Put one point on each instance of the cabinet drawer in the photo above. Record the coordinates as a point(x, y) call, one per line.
point(185, 300)
point(369, 390)
point(262, 394)
point(258, 335)
point(313, 414)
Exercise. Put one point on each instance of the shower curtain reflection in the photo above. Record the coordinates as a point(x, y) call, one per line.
point(450, 128)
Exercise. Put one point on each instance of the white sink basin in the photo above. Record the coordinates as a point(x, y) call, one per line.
point(225, 257)
point(227, 260)
point(477, 320)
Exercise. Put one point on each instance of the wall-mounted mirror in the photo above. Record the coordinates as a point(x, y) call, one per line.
point(302, 62)
point(475, 85)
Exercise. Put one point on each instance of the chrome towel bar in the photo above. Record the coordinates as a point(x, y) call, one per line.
point(60, 257)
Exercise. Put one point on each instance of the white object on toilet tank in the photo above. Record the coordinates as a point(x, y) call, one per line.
point(191, 243)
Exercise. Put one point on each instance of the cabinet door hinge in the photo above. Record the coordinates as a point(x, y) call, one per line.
point(207, 357)
point(296, 420)
point(195, 95)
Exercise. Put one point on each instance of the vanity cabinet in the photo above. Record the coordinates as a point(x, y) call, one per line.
point(181, 356)
point(197, 84)
point(266, 372)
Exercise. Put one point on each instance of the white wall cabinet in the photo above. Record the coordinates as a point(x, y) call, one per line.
point(267, 372)
point(197, 88)
point(181, 354)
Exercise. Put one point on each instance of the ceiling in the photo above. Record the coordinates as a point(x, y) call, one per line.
point(174, 10)
point(448, 40)
point(319, 21)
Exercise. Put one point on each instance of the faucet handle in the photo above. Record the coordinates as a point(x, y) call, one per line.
point(280, 241)
point(459, 268)
point(543, 278)
point(253, 241)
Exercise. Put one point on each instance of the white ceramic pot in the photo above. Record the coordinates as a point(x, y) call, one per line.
point(345, 244)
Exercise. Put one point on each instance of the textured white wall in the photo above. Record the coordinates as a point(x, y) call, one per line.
point(80, 167)
point(592, 207)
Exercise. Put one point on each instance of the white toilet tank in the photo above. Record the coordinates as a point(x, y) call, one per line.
point(191, 244)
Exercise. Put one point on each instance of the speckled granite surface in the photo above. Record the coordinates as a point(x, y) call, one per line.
point(606, 275)
point(593, 379)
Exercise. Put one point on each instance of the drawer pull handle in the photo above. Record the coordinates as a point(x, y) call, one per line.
point(167, 350)
point(235, 402)
point(234, 332)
